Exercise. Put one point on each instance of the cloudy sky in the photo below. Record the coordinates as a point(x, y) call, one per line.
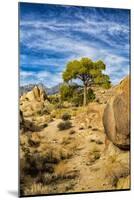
point(50, 36)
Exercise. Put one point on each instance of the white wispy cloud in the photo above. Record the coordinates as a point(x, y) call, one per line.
point(47, 78)
point(65, 38)
point(84, 25)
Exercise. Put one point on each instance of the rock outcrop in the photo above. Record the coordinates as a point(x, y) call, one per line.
point(36, 94)
point(116, 117)
point(33, 102)
point(103, 95)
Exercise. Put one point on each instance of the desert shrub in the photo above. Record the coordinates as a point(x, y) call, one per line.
point(81, 127)
point(49, 168)
point(45, 178)
point(59, 106)
point(65, 154)
point(66, 140)
point(64, 125)
point(66, 116)
point(52, 157)
point(54, 99)
point(40, 163)
point(77, 98)
point(45, 111)
point(106, 85)
point(72, 132)
point(73, 93)
point(66, 91)
point(44, 125)
point(96, 155)
point(97, 100)
point(99, 142)
point(92, 140)
point(114, 181)
point(71, 174)
point(33, 143)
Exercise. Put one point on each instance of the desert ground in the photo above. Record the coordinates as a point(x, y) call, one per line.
point(75, 157)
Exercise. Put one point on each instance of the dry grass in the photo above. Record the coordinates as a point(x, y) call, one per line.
point(58, 113)
point(39, 163)
point(52, 162)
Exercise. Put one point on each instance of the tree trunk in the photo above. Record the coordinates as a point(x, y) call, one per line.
point(85, 96)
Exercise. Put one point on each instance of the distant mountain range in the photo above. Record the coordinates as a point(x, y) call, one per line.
point(53, 90)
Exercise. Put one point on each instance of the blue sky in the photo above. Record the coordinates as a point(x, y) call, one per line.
point(52, 35)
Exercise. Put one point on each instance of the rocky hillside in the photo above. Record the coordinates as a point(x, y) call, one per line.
point(33, 101)
point(103, 95)
point(74, 149)
point(49, 91)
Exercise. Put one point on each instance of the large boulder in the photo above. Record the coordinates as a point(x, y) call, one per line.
point(116, 117)
point(33, 101)
point(36, 94)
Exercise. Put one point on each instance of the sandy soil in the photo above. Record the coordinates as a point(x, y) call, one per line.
point(91, 167)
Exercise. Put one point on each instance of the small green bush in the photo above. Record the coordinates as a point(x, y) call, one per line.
point(73, 93)
point(77, 98)
point(59, 106)
point(66, 116)
point(54, 99)
point(64, 125)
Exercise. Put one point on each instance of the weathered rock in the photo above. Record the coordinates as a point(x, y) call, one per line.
point(116, 119)
point(36, 94)
point(33, 102)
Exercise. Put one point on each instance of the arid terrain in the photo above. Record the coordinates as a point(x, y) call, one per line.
point(80, 154)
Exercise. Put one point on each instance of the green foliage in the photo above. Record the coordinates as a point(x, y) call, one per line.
point(54, 99)
point(103, 80)
point(77, 99)
point(66, 116)
point(64, 125)
point(66, 91)
point(78, 69)
point(74, 94)
point(88, 72)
